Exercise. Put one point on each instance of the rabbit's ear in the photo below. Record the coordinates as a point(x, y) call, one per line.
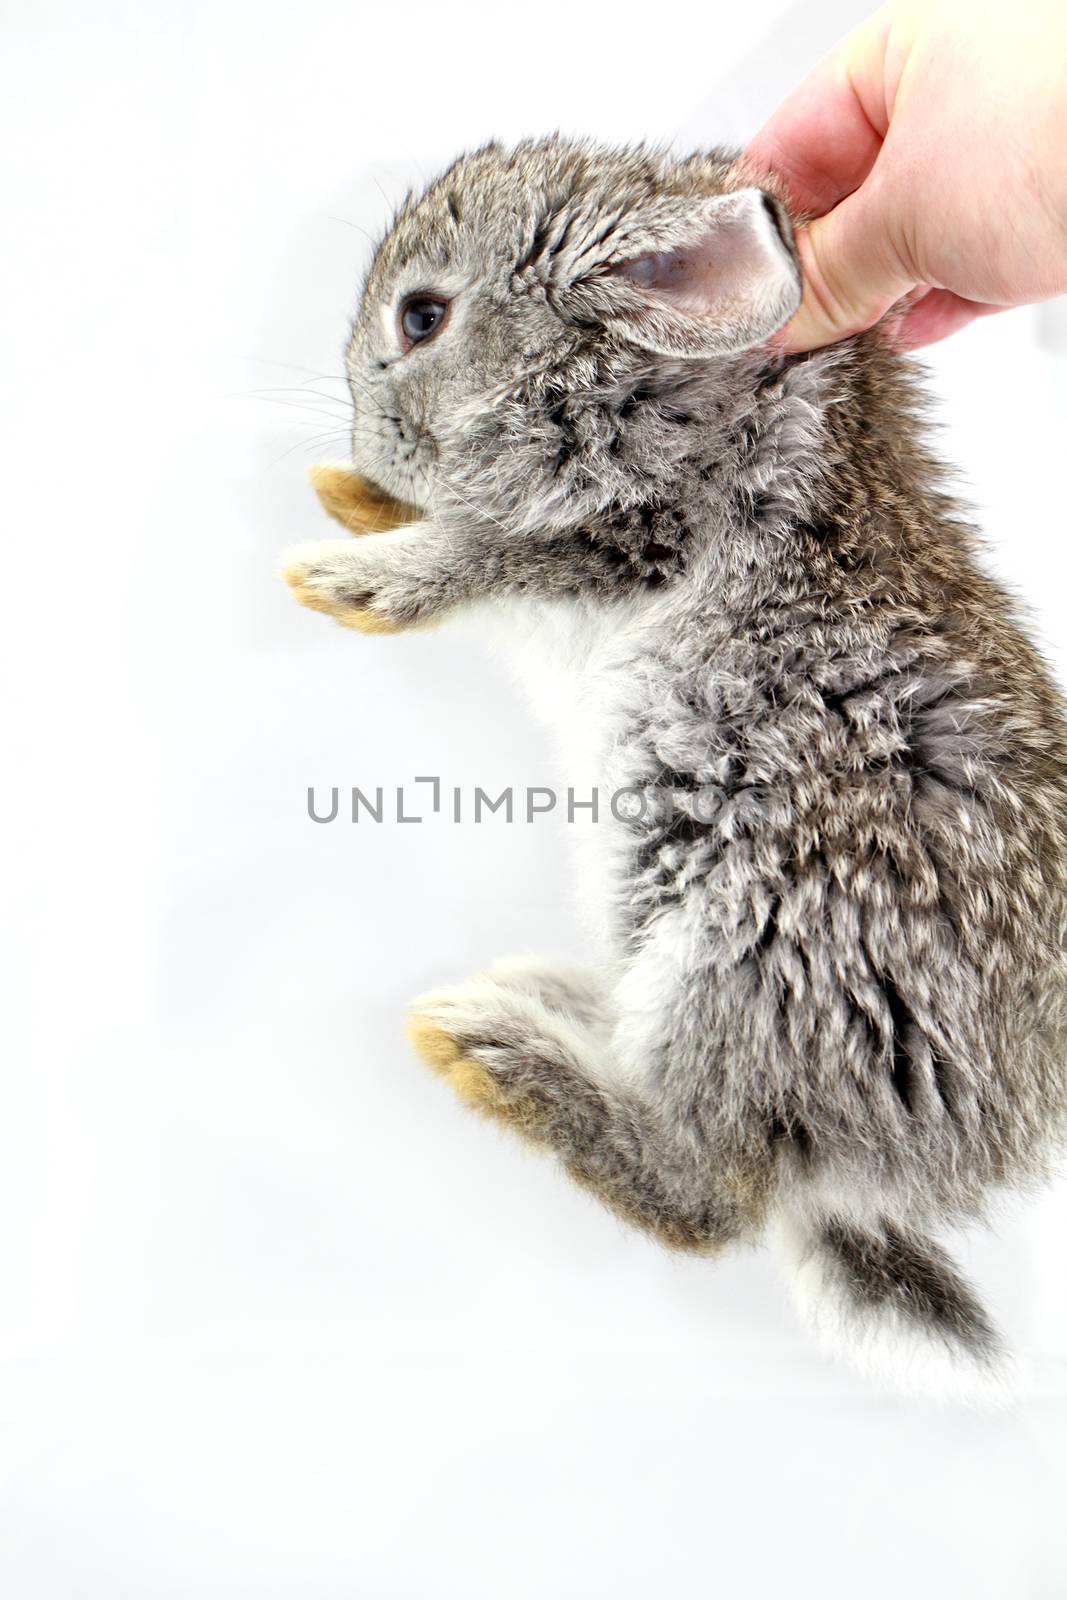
point(710, 279)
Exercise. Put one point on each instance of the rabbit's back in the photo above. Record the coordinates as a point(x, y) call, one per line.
point(878, 886)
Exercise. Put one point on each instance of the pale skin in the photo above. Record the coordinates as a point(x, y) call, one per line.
point(930, 147)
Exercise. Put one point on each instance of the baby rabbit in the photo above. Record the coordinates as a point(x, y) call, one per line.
point(833, 1003)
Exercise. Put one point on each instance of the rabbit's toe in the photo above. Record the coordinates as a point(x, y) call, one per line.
point(471, 1037)
point(442, 1051)
point(356, 503)
point(342, 581)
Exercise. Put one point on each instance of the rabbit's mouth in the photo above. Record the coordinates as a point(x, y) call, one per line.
point(395, 452)
point(412, 440)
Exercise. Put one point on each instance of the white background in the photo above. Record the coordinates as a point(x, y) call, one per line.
point(277, 1317)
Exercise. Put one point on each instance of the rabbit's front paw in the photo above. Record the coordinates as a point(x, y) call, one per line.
point(356, 503)
point(359, 585)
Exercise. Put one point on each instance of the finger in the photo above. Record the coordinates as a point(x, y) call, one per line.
point(937, 315)
point(824, 139)
point(853, 271)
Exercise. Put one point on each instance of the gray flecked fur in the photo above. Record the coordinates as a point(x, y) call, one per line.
point(840, 1002)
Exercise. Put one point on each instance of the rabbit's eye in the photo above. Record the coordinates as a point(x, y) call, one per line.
point(420, 318)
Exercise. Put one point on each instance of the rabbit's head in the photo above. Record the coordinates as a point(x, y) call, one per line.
point(527, 284)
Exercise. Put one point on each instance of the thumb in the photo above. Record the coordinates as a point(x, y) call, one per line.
point(853, 270)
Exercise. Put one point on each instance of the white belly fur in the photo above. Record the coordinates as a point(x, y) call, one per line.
point(576, 663)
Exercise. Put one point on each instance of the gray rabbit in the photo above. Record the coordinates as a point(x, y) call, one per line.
point(833, 1000)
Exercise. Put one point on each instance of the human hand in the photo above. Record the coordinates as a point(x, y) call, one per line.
point(931, 146)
